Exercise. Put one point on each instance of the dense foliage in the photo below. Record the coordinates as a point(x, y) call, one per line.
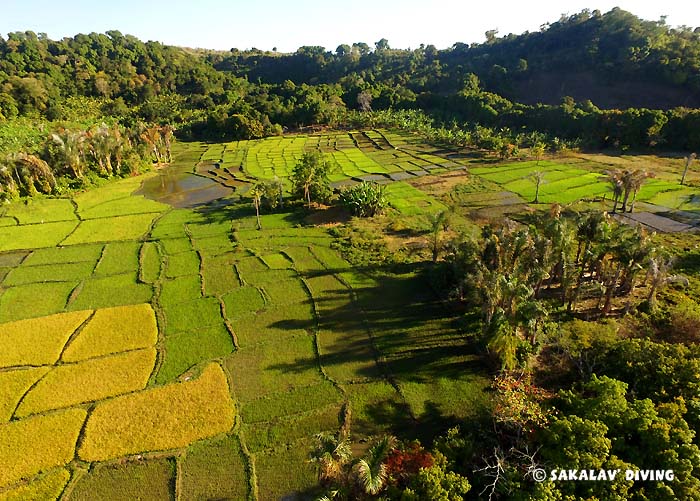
point(250, 94)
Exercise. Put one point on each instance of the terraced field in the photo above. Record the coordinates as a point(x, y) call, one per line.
point(181, 353)
point(165, 353)
point(376, 155)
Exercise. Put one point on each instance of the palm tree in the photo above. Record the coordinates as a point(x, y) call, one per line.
point(71, 147)
point(638, 178)
point(332, 453)
point(257, 192)
point(9, 189)
point(371, 470)
point(614, 177)
point(35, 172)
point(438, 223)
point(101, 143)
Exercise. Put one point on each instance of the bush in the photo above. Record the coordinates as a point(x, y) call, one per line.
point(364, 199)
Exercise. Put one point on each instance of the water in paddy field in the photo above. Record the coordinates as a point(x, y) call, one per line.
point(179, 187)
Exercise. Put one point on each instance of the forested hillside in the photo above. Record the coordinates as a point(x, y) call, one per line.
point(568, 80)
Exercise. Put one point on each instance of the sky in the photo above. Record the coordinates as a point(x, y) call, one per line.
point(290, 24)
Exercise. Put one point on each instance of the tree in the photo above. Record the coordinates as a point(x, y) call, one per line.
point(71, 147)
point(364, 100)
point(332, 454)
point(371, 470)
point(257, 192)
point(537, 177)
point(688, 160)
point(310, 178)
point(537, 151)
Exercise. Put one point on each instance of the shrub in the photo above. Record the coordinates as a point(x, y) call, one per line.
point(29, 446)
point(364, 199)
point(37, 341)
point(161, 418)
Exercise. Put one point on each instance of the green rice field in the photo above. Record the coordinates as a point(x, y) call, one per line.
point(153, 352)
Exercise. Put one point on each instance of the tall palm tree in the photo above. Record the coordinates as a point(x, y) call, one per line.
point(257, 192)
point(614, 177)
point(371, 470)
point(638, 178)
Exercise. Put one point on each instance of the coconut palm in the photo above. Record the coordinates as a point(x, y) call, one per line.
point(370, 471)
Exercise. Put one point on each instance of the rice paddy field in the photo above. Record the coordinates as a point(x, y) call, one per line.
point(149, 352)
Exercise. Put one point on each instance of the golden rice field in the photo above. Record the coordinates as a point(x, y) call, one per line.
point(150, 352)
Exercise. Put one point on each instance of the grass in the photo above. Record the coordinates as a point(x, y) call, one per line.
point(180, 290)
point(38, 341)
point(13, 386)
point(160, 418)
point(175, 245)
point(150, 262)
point(72, 384)
point(72, 254)
point(63, 272)
point(122, 207)
point(49, 486)
point(377, 408)
point(286, 291)
point(219, 278)
point(46, 210)
point(45, 441)
point(181, 264)
point(281, 473)
point(34, 300)
point(112, 330)
point(277, 261)
point(291, 402)
point(273, 325)
point(115, 290)
point(119, 257)
point(259, 370)
point(149, 480)
point(185, 350)
point(242, 301)
point(34, 236)
point(214, 470)
point(262, 436)
point(130, 227)
point(192, 316)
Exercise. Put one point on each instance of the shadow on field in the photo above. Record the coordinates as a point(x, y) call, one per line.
point(398, 332)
